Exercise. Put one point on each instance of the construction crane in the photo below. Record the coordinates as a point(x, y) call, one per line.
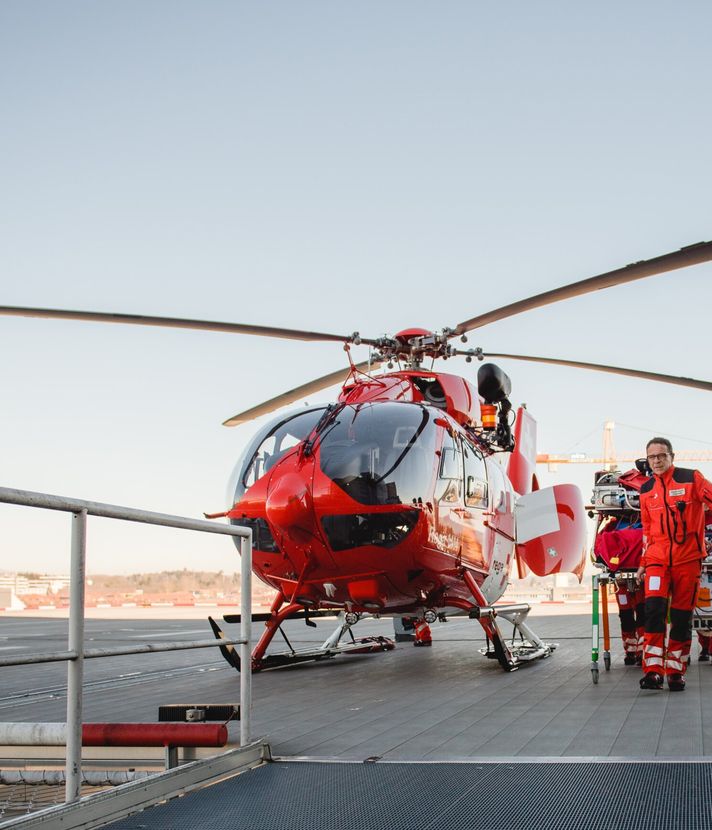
point(610, 459)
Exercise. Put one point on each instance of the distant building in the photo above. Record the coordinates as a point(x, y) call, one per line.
point(9, 600)
point(41, 584)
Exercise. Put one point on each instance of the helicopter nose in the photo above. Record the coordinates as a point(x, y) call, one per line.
point(290, 507)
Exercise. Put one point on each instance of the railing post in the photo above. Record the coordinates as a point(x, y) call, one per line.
point(75, 668)
point(245, 635)
point(171, 757)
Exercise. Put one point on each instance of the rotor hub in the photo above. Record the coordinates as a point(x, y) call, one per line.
point(414, 345)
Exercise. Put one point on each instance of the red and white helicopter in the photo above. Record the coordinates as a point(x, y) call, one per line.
point(390, 501)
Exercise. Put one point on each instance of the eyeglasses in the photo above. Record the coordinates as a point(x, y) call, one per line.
point(659, 457)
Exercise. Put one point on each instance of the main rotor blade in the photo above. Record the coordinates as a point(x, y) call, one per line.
point(294, 395)
point(177, 323)
point(613, 370)
point(690, 255)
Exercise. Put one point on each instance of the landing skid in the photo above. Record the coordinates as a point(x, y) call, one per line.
point(364, 645)
point(523, 646)
point(331, 647)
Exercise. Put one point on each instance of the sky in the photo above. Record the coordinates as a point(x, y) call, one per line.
point(331, 166)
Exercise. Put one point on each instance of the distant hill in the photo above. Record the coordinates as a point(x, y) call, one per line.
point(166, 582)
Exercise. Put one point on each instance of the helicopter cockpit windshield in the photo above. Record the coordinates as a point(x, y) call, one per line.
point(265, 450)
point(268, 446)
point(382, 453)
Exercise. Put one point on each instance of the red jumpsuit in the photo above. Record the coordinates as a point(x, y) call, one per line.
point(704, 601)
point(423, 635)
point(619, 544)
point(672, 512)
point(631, 610)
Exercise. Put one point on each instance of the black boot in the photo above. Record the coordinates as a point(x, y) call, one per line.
point(676, 682)
point(629, 660)
point(704, 655)
point(652, 680)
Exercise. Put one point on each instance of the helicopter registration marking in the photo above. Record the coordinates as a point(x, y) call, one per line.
point(444, 541)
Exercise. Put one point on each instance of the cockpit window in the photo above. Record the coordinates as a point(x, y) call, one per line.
point(380, 453)
point(449, 483)
point(475, 477)
point(267, 447)
point(275, 444)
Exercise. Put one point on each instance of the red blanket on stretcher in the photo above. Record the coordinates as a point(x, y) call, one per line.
point(619, 549)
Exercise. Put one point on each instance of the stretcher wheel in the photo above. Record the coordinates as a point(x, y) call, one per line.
point(607, 660)
point(594, 672)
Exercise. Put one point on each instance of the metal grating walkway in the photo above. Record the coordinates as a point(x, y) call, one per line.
point(447, 796)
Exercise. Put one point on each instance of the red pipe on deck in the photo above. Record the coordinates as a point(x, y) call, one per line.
point(154, 734)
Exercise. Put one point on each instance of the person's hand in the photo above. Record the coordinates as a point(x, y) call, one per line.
point(640, 575)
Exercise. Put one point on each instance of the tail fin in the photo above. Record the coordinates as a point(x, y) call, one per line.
point(229, 652)
point(522, 462)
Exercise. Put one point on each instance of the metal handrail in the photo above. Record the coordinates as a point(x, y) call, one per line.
point(75, 653)
point(89, 653)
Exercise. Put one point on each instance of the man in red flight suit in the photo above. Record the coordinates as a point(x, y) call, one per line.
point(672, 512)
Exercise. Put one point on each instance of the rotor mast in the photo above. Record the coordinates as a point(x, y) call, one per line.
point(412, 346)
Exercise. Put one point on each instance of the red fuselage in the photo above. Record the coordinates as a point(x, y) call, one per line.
point(381, 501)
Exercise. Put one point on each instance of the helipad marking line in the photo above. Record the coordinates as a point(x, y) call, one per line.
point(178, 631)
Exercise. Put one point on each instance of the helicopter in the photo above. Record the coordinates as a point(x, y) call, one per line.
point(394, 500)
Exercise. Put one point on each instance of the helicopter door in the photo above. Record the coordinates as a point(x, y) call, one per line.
point(476, 496)
point(500, 518)
point(459, 519)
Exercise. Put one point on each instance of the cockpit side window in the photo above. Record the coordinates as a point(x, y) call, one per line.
point(449, 485)
point(475, 478)
point(274, 439)
point(260, 461)
point(281, 438)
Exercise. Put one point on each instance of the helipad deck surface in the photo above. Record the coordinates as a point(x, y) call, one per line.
point(412, 704)
point(558, 796)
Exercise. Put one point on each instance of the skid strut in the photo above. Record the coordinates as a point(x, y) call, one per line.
point(524, 646)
